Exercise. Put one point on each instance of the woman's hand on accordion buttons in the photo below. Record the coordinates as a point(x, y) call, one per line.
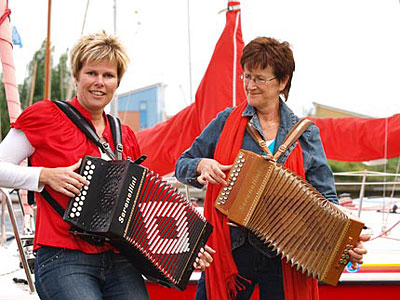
point(356, 254)
point(204, 258)
point(63, 179)
point(211, 171)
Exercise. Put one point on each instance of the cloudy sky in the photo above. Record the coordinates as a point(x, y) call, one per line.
point(347, 52)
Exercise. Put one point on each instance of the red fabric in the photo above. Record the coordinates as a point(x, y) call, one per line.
point(59, 143)
point(165, 142)
point(359, 139)
point(221, 276)
point(222, 273)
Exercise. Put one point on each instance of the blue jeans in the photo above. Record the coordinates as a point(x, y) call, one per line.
point(65, 274)
point(257, 267)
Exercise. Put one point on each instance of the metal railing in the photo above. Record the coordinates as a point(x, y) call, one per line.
point(6, 200)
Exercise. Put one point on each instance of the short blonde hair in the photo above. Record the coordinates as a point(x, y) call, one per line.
point(96, 47)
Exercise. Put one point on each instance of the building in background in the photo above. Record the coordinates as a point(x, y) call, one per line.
point(325, 111)
point(142, 108)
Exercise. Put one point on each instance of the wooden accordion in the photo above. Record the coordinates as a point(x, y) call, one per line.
point(145, 218)
point(289, 215)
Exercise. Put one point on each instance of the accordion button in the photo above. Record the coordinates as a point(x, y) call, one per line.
point(89, 177)
point(72, 215)
point(75, 204)
point(80, 203)
point(79, 208)
point(234, 178)
point(223, 194)
point(83, 197)
point(227, 192)
point(78, 214)
point(92, 167)
point(225, 188)
point(89, 162)
point(73, 209)
point(91, 172)
point(77, 198)
point(87, 168)
point(85, 173)
point(229, 188)
point(238, 169)
point(231, 183)
point(85, 187)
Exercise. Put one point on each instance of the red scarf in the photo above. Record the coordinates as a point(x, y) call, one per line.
point(222, 276)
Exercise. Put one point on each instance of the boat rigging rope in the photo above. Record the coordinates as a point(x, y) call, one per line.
point(382, 234)
point(7, 12)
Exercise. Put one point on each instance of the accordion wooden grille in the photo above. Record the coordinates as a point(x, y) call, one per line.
point(289, 215)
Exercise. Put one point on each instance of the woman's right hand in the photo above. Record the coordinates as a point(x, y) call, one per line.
point(63, 179)
point(211, 171)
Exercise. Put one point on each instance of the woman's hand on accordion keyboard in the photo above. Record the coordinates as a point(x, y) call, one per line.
point(204, 259)
point(63, 179)
point(356, 254)
point(211, 171)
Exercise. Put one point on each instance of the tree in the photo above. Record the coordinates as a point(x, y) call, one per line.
point(60, 78)
point(4, 118)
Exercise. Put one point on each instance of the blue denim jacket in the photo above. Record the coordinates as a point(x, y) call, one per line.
point(316, 168)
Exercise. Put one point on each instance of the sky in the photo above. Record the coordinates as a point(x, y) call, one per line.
point(347, 52)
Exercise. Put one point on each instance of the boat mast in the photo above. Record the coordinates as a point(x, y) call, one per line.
point(190, 55)
point(114, 102)
point(47, 65)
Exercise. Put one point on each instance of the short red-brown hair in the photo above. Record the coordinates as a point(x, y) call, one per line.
point(265, 51)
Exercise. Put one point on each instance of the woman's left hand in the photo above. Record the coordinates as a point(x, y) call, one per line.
point(204, 258)
point(356, 254)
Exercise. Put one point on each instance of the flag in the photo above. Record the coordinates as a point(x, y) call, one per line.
point(16, 39)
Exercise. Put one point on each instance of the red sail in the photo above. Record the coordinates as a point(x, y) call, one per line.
point(360, 139)
point(219, 88)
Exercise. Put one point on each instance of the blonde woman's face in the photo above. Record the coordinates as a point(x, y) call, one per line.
point(96, 85)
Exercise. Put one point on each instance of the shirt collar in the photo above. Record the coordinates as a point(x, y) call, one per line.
point(249, 111)
point(288, 119)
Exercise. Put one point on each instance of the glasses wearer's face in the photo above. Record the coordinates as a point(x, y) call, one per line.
point(257, 80)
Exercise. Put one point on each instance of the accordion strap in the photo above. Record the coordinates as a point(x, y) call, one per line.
point(83, 124)
point(257, 137)
point(294, 133)
point(115, 125)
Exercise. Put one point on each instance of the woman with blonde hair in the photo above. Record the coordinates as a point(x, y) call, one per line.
point(68, 267)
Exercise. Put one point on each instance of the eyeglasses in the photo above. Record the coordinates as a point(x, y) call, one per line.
point(257, 80)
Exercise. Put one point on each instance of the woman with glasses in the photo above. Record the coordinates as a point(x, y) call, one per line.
point(242, 260)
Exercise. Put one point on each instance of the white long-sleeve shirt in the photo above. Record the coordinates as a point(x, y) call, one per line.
point(13, 150)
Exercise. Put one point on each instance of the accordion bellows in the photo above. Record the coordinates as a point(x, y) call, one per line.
point(289, 215)
point(144, 217)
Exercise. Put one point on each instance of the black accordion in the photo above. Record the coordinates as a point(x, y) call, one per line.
point(144, 217)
